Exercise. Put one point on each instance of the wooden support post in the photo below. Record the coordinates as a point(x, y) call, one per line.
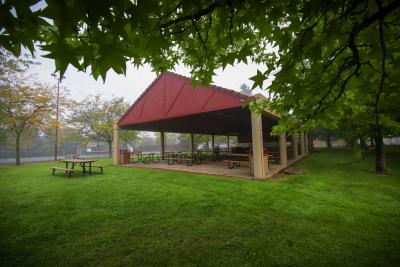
point(162, 145)
point(259, 164)
point(302, 147)
point(212, 142)
point(191, 142)
point(227, 140)
point(295, 151)
point(115, 144)
point(283, 149)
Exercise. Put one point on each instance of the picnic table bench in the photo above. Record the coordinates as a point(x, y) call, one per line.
point(145, 157)
point(67, 171)
point(236, 159)
point(171, 158)
point(79, 162)
point(236, 163)
point(189, 158)
point(98, 166)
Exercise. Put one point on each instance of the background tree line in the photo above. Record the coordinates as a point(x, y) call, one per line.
point(28, 109)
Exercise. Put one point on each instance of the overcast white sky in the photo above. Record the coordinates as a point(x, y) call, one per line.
point(136, 81)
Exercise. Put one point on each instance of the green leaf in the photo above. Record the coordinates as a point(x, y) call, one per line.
point(258, 79)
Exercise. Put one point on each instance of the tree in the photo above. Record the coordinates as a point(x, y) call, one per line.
point(340, 61)
point(320, 52)
point(57, 117)
point(183, 139)
point(23, 102)
point(171, 138)
point(69, 134)
point(245, 89)
point(129, 136)
point(202, 139)
point(95, 117)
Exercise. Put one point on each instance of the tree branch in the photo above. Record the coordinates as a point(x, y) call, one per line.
point(383, 66)
point(320, 107)
point(200, 38)
point(358, 27)
point(194, 16)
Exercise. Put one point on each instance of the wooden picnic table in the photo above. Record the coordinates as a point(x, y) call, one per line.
point(243, 155)
point(146, 157)
point(190, 157)
point(236, 159)
point(80, 162)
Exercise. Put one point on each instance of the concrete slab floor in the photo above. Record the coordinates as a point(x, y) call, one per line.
point(218, 168)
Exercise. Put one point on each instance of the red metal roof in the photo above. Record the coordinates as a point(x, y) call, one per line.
point(171, 95)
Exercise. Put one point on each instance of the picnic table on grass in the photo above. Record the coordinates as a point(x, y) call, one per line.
point(83, 163)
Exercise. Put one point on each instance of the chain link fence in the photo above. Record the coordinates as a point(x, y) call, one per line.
point(41, 148)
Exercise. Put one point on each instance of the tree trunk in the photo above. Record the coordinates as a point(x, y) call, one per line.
point(17, 149)
point(380, 157)
point(109, 148)
point(372, 141)
point(328, 141)
point(310, 142)
point(363, 144)
point(351, 143)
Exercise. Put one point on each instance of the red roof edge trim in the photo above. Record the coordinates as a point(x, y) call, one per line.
point(175, 117)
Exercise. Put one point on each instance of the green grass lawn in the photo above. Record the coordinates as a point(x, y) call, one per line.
point(334, 214)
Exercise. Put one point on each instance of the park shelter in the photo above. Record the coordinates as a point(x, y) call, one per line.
point(171, 104)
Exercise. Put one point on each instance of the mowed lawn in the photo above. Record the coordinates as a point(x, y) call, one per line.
point(334, 214)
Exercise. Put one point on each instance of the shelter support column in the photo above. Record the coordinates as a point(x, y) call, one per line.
point(306, 142)
point(227, 142)
point(259, 165)
point(191, 142)
point(212, 142)
point(283, 149)
point(302, 148)
point(295, 152)
point(115, 144)
point(162, 143)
